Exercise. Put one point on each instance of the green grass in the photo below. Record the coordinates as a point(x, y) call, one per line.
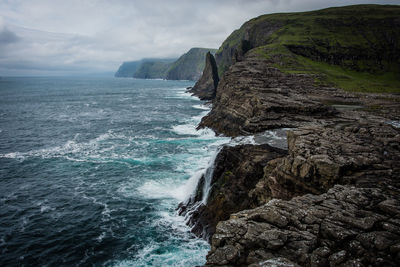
point(356, 48)
point(350, 80)
point(332, 75)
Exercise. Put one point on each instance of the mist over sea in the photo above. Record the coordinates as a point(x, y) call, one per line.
point(92, 169)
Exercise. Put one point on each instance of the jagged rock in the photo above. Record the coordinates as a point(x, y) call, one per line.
point(347, 226)
point(236, 171)
point(338, 138)
point(313, 233)
point(205, 87)
point(254, 96)
point(322, 156)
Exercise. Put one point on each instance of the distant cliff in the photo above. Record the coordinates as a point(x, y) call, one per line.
point(187, 67)
point(190, 65)
point(144, 67)
point(154, 69)
point(127, 69)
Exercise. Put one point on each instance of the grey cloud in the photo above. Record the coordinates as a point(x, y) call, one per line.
point(97, 35)
point(8, 37)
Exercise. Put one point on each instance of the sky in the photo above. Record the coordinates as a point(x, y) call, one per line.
point(70, 37)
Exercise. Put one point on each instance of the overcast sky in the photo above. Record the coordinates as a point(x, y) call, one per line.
point(67, 37)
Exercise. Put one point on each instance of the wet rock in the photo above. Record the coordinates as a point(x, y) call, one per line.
point(322, 156)
point(236, 172)
point(302, 241)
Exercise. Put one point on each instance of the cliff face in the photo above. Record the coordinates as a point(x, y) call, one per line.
point(346, 47)
point(236, 169)
point(187, 67)
point(253, 96)
point(190, 65)
point(290, 70)
point(154, 69)
point(206, 87)
point(355, 224)
point(127, 69)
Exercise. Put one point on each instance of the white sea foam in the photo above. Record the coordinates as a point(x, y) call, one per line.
point(395, 123)
point(93, 150)
point(181, 93)
point(202, 107)
point(190, 129)
point(46, 208)
point(167, 188)
point(101, 237)
point(242, 140)
point(208, 176)
point(185, 129)
point(156, 254)
point(186, 190)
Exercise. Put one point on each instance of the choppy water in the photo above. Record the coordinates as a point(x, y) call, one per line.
point(92, 169)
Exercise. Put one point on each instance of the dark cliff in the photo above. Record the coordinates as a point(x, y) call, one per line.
point(190, 65)
point(205, 88)
point(277, 68)
point(236, 169)
point(325, 74)
point(187, 67)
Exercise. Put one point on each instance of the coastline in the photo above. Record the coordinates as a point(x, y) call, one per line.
point(331, 196)
point(329, 161)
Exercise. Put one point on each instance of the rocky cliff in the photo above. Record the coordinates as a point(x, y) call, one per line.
point(190, 65)
point(206, 87)
point(346, 47)
point(235, 170)
point(153, 69)
point(338, 183)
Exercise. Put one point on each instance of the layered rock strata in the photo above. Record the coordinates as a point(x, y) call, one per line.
point(365, 153)
point(254, 96)
point(332, 199)
point(347, 226)
point(235, 170)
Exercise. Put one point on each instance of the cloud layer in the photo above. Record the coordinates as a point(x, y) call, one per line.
point(54, 37)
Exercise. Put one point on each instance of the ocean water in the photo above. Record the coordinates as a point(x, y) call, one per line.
point(92, 169)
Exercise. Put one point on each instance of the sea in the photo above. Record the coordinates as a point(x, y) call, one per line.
point(93, 169)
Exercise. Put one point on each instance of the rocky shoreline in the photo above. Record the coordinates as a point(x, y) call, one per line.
point(331, 198)
point(316, 222)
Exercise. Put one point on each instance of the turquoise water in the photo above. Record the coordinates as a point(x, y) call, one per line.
point(92, 169)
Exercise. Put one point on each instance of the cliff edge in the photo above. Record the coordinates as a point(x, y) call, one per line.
point(330, 78)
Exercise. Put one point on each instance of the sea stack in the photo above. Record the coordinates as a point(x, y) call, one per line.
point(205, 88)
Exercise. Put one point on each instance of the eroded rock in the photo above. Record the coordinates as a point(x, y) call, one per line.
point(205, 87)
point(314, 233)
point(236, 171)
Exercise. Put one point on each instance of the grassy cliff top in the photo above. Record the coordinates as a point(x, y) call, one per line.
point(356, 47)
